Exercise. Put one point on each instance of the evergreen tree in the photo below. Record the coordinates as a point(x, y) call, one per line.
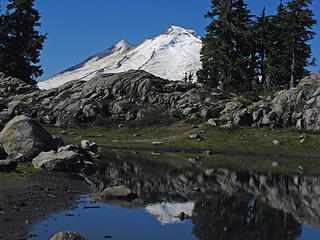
point(284, 43)
point(299, 30)
point(214, 61)
point(226, 53)
point(20, 41)
point(277, 59)
point(262, 30)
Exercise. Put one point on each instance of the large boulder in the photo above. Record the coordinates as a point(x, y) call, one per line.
point(63, 161)
point(23, 135)
point(68, 236)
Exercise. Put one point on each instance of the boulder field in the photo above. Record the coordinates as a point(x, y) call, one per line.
point(132, 95)
point(24, 140)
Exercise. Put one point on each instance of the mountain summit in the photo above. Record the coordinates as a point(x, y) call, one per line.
point(170, 55)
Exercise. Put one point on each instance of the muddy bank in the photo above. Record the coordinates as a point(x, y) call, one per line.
point(25, 201)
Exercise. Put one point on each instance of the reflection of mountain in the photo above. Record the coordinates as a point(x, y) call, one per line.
point(168, 212)
point(264, 206)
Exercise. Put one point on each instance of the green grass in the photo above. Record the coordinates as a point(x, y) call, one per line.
point(290, 154)
point(23, 170)
point(255, 140)
point(104, 135)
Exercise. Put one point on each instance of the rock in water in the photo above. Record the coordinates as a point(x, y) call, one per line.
point(121, 191)
point(23, 135)
point(68, 236)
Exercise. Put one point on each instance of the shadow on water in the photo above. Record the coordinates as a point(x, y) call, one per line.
point(222, 203)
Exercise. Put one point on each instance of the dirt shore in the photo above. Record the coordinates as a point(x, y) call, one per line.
point(24, 202)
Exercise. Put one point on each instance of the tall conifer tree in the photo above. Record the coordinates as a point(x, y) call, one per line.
point(226, 53)
point(20, 41)
point(299, 29)
point(262, 30)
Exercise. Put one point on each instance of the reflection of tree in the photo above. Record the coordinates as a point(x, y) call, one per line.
point(241, 217)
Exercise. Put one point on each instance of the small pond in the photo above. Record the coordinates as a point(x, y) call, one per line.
point(221, 203)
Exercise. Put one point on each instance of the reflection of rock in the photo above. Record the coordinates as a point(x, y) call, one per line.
point(155, 182)
point(218, 215)
point(168, 212)
point(297, 195)
point(151, 182)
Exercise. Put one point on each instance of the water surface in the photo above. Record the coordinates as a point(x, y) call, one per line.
point(222, 203)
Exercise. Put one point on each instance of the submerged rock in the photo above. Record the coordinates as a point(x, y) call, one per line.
point(68, 236)
point(121, 191)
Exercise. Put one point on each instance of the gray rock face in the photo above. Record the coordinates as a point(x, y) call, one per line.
point(10, 86)
point(23, 135)
point(212, 122)
point(66, 161)
point(132, 95)
point(68, 236)
point(242, 118)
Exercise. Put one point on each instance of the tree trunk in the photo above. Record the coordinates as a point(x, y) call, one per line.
point(292, 79)
point(221, 83)
point(221, 86)
point(268, 81)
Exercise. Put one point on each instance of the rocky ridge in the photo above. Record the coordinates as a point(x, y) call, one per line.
point(136, 94)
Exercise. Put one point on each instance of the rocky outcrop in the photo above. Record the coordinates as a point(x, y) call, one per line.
point(10, 86)
point(23, 135)
point(138, 95)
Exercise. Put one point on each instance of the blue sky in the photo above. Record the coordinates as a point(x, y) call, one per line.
point(78, 29)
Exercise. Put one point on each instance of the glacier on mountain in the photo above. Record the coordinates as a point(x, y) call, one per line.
point(170, 56)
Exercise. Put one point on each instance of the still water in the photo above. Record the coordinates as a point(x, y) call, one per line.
point(222, 204)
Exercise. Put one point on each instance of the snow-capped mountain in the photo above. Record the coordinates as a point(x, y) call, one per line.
point(170, 56)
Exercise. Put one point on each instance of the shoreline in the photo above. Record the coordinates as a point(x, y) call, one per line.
point(26, 201)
